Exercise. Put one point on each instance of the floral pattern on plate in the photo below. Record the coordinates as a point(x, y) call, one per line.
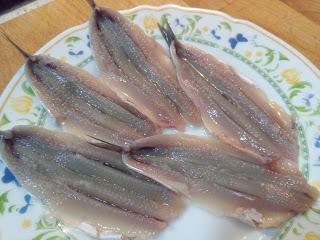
point(289, 79)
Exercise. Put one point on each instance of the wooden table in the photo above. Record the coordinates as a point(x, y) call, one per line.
point(295, 21)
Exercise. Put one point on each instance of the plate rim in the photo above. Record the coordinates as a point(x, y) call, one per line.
point(11, 86)
point(59, 37)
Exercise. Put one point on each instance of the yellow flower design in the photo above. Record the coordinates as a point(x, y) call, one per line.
point(312, 236)
point(150, 22)
point(291, 75)
point(21, 104)
point(259, 53)
point(26, 223)
point(205, 29)
point(247, 54)
point(62, 58)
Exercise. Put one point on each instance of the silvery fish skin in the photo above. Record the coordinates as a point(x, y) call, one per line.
point(139, 68)
point(231, 108)
point(84, 104)
point(222, 178)
point(82, 183)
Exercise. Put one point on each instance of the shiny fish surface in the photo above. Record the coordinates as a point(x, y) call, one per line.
point(83, 104)
point(222, 178)
point(82, 183)
point(139, 68)
point(232, 108)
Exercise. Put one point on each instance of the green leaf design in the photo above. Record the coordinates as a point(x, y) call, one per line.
point(316, 110)
point(51, 227)
point(270, 57)
point(296, 231)
point(315, 210)
point(56, 238)
point(40, 225)
point(40, 236)
point(309, 123)
point(305, 215)
point(27, 88)
point(72, 39)
point(272, 69)
point(302, 109)
point(197, 17)
point(3, 201)
point(44, 224)
point(197, 33)
point(4, 120)
point(192, 23)
point(300, 85)
point(283, 57)
point(184, 31)
point(26, 120)
point(300, 226)
point(131, 17)
point(10, 209)
point(226, 26)
point(294, 93)
point(163, 18)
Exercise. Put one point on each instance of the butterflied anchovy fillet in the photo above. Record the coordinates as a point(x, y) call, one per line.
point(232, 108)
point(83, 183)
point(84, 104)
point(139, 69)
point(222, 178)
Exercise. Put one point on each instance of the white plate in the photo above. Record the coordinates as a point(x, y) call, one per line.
point(286, 76)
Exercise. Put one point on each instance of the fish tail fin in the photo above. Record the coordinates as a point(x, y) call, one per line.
point(4, 135)
point(92, 3)
point(103, 144)
point(167, 33)
point(24, 53)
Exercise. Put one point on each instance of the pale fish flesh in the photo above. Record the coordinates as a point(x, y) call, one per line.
point(222, 178)
point(139, 69)
point(232, 108)
point(81, 183)
point(83, 104)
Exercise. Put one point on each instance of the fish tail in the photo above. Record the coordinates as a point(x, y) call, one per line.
point(103, 144)
point(92, 3)
point(24, 53)
point(167, 33)
point(5, 135)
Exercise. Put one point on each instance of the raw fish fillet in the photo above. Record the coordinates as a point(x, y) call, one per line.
point(83, 104)
point(232, 108)
point(82, 183)
point(138, 68)
point(223, 179)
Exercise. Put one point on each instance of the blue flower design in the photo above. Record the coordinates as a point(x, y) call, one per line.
point(72, 53)
point(178, 23)
point(8, 177)
point(239, 38)
point(88, 43)
point(317, 142)
point(27, 199)
point(214, 34)
point(307, 99)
